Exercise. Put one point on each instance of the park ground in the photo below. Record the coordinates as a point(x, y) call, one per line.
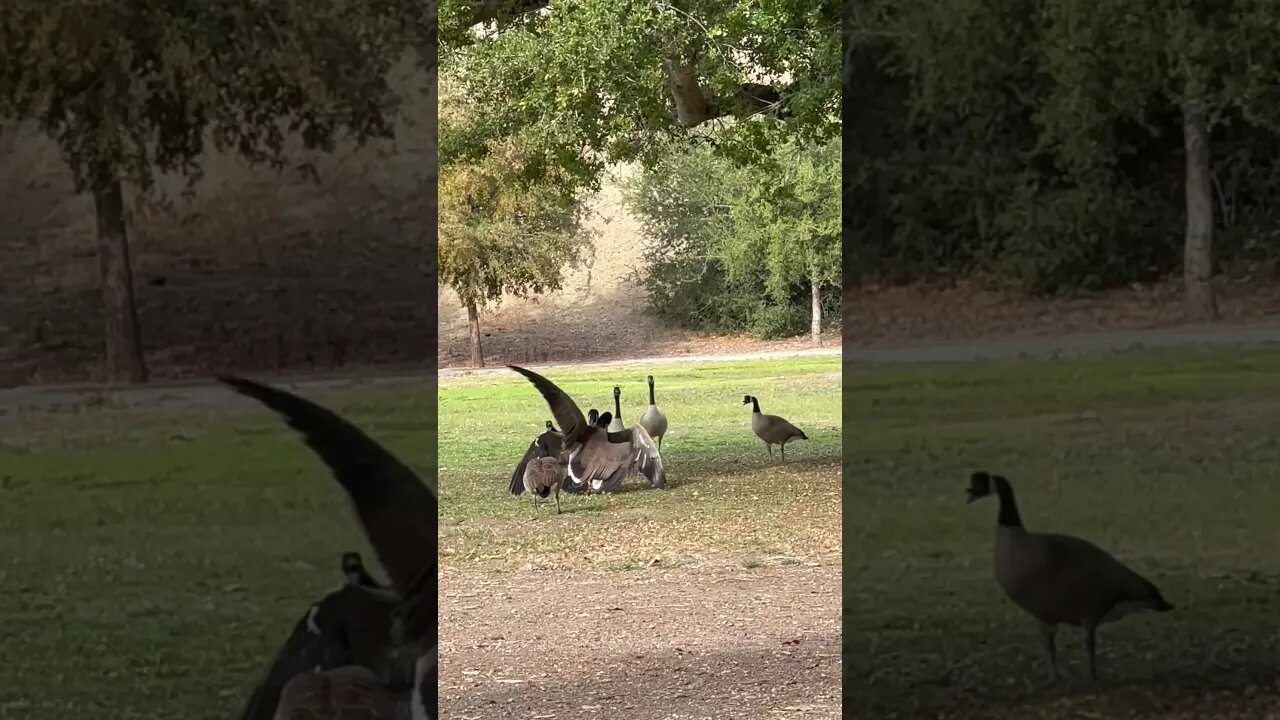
point(214, 528)
point(715, 598)
point(1167, 458)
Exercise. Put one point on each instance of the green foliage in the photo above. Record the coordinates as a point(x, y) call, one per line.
point(501, 234)
point(734, 248)
point(129, 86)
point(1042, 142)
point(584, 82)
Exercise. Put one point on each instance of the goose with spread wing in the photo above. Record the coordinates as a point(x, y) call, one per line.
point(397, 510)
point(546, 444)
point(596, 458)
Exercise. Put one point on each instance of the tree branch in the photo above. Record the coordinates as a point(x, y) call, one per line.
point(694, 105)
point(490, 10)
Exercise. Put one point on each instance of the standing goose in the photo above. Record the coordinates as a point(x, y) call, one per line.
point(654, 422)
point(548, 442)
point(772, 429)
point(597, 458)
point(1060, 578)
point(398, 513)
point(617, 424)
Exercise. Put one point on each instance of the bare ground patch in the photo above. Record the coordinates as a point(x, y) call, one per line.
point(712, 643)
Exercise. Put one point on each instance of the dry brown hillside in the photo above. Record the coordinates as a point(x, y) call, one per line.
point(252, 270)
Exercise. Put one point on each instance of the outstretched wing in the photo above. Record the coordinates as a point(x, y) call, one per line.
point(570, 419)
point(395, 507)
point(517, 478)
point(647, 460)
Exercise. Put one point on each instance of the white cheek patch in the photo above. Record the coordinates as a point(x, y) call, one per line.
point(312, 627)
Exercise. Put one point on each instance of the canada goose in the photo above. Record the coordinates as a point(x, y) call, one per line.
point(350, 691)
point(1060, 578)
point(654, 422)
point(544, 476)
point(348, 626)
point(592, 416)
point(617, 425)
point(398, 513)
point(772, 429)
point(597, 458)
point(547, 443)
point(353, 569)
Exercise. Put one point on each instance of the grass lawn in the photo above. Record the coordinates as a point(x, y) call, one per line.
point(156, 553)
point(1169, 460)
point(726, 500)
point(155, 556)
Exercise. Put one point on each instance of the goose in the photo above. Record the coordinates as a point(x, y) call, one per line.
point(1060, 579)
point(544, 476)
point(353, 569)
point(547, 443)
point(348, 626)
point(772, 429)
point(617, 425)
point(350, 691)
point(654, 422)
point(592, 416)
point(397, 511)
point(598, 458)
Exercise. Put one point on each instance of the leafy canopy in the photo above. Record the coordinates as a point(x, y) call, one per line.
point(500, 234)
point(586, 82)
point(130, 86)
point(733, 247)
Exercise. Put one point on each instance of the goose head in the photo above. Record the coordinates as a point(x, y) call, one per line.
point(604, 420)
point(746, 399)
point(980, 486)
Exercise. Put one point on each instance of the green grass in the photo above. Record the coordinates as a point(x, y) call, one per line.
point(155, 555)
point(1170, 460)
point(726, 499)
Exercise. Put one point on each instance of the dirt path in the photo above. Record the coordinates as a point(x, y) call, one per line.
point(710, 644)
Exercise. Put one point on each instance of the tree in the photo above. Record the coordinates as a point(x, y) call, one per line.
point(734, 243)
point(500, 234)
point(1064, 143)
point(589, 83)
point(792, 219)
point(131, 87)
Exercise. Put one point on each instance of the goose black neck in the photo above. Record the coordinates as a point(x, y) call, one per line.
point(651, 391)
point(617, 407)
point(1008, 516)
point(755, 404)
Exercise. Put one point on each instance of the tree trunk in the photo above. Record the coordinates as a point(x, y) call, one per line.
point(124, 363)
point(815, 324)
point(473, 322)
point(1197, 253)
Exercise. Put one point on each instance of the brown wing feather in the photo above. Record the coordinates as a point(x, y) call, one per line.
point(573, 424)
point(648, 461)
